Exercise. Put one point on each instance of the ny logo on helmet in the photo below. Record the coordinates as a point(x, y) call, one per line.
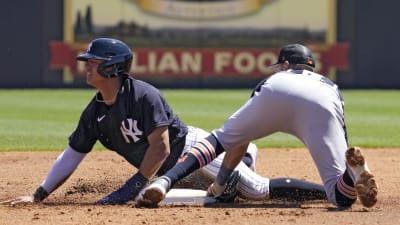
point(130, 131)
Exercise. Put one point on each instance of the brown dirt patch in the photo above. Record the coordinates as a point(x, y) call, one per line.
point(102, 172)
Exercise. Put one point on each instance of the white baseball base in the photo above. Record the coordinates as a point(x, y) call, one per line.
point(182, 196)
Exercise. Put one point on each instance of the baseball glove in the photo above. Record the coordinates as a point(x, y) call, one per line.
point(230, 192)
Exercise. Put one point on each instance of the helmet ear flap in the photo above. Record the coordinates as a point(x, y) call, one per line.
point(110, 69)
point(105, 70)
point(127, 65)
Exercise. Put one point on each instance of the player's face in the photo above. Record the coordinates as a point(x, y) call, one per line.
point(92, 76)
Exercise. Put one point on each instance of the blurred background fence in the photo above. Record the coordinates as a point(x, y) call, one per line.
point(200, 43)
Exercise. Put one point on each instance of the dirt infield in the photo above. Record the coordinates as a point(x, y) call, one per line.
point(102, 172)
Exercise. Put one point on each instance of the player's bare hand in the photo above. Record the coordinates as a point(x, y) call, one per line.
point(19, 200)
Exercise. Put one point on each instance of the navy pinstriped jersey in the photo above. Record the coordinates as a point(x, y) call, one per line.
point(125, 126)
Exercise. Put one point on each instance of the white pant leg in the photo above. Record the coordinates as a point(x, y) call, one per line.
point(251, 185)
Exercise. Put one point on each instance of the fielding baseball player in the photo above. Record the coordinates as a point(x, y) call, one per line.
point(297, 101)
point(133, 119)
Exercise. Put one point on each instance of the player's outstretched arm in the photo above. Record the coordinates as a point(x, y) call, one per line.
point(62, 168)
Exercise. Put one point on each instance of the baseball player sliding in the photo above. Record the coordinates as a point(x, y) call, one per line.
point(132, 118)
point(297, 101)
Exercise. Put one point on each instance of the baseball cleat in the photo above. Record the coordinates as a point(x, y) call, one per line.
point(365, 185)
point(154, 193)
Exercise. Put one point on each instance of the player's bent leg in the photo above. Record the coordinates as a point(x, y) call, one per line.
point(250, 185)
point(249, 160)
point(296, 190)
point(250, 157)
point(364, 180)
point(255, 187)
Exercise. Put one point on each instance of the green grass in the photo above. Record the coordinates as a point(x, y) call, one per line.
point(373, 117)
point(39, 119)
point(42, 119)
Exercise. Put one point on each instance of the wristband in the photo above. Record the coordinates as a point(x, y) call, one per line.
point(223, 175)
point(40, 194)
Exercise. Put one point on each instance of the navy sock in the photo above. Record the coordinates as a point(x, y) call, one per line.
point(347, 179)
point(182, 169)
point(215, 143)
point(200, 155)
point(347, 196)
point(223, 175)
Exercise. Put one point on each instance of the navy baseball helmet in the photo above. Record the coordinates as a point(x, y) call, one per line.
point(116, 56)
point(296, 54)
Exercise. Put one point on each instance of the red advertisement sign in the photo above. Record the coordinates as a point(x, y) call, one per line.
point(201, 61)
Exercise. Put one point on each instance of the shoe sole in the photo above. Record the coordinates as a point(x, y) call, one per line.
point(151, 197)
point(366, 188)
point(154, 195)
